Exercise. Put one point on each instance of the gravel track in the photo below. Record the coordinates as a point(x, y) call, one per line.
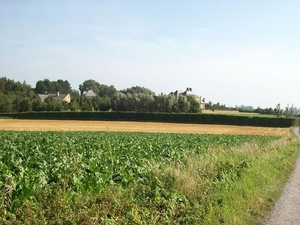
point(287, 209)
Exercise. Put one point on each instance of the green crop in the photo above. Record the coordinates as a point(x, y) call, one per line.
point(92, 162)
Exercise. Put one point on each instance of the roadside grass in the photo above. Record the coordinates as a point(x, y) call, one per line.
point(238, 186)
point(235, 185)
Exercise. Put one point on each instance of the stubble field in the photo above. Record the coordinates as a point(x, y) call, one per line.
point(69, 125)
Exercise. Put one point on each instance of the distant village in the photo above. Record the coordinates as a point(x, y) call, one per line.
point(92, 96)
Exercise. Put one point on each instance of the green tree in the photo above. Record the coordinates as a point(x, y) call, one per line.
point(25, 105)
point(74, 94)
point(138, 90)
point(119, 102)
point(101, 103)
point(86, 104)
point(39, 106)
point(5, 104)
point(47, 86)
point(44, 86)
point(107, 91)
point(194, 104)
point(9, 86)
point(289, 111)
point(2, 84)
point(90, 85)
point(54, 105)
point(74, 104)
point(209, 105)
point(146, 103)
point(63, 86)
point(96, 103)
point(182, 104)
point(105, 104)
point(132, 102)
point(278, 111)
point(164, 103)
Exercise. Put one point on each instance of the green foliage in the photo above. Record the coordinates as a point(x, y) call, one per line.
point(22, 104)
point(165, 103)
point(110, 177)
point(217, 106)
point(39, 106)
point(194, 104)
point(20, 97)
point(140, 178)
point(3, 81)
point(5, 104)
point(107, 91)
point(74, 104)
point(182, 104)
point(47, 86)
point(138, 90)
point(87, 105)
point(90, 85)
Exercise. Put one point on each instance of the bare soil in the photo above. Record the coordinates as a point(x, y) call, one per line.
point(75, 125)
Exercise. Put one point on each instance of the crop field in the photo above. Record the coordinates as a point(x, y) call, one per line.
point(84, 177)
point(67, 125)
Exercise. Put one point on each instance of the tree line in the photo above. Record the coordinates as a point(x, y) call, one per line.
point(21, 97)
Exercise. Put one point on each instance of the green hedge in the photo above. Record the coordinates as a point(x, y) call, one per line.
point(158, 117)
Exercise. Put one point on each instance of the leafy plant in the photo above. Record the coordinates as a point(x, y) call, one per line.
point(121, 178)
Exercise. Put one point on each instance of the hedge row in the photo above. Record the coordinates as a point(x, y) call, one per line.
point(158, 117)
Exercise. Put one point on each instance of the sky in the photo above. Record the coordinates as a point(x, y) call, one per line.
point(233, 52)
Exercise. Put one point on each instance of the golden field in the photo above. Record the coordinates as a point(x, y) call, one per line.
point(75, 125)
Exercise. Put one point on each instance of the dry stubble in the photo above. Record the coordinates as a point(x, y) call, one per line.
point(75, 125)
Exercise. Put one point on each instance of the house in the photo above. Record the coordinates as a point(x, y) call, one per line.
point(89, 94)
point(56, 96)
point(189, 91)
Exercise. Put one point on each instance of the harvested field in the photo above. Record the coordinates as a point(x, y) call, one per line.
point(74, 125)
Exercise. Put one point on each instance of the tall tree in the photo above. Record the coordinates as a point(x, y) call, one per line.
point(90, 85)
point(74, 105)
point(165, 103)
point(5, 104)
point(278, 111)
point(194, 104)
point(138, 90)
point(182, 105)
point(119, 102)
point(107, 91)
point(63, 86)
point(2, 84)
point(146, 103)
point(47, 86)
point(44, 86)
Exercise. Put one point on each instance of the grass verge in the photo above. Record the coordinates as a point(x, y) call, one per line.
point(237, 186)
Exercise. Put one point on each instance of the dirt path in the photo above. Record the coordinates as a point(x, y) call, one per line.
point(287, 209)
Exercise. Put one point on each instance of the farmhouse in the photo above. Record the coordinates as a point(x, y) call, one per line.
point(189, 91)
point(56, 96)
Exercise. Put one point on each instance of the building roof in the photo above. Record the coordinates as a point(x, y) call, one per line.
point(188, 91)
point(60, 97)
point(56, 96)
point(89, 93)
point(42, 96)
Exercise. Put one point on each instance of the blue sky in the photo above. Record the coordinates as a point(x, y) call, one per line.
point(232, 52)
